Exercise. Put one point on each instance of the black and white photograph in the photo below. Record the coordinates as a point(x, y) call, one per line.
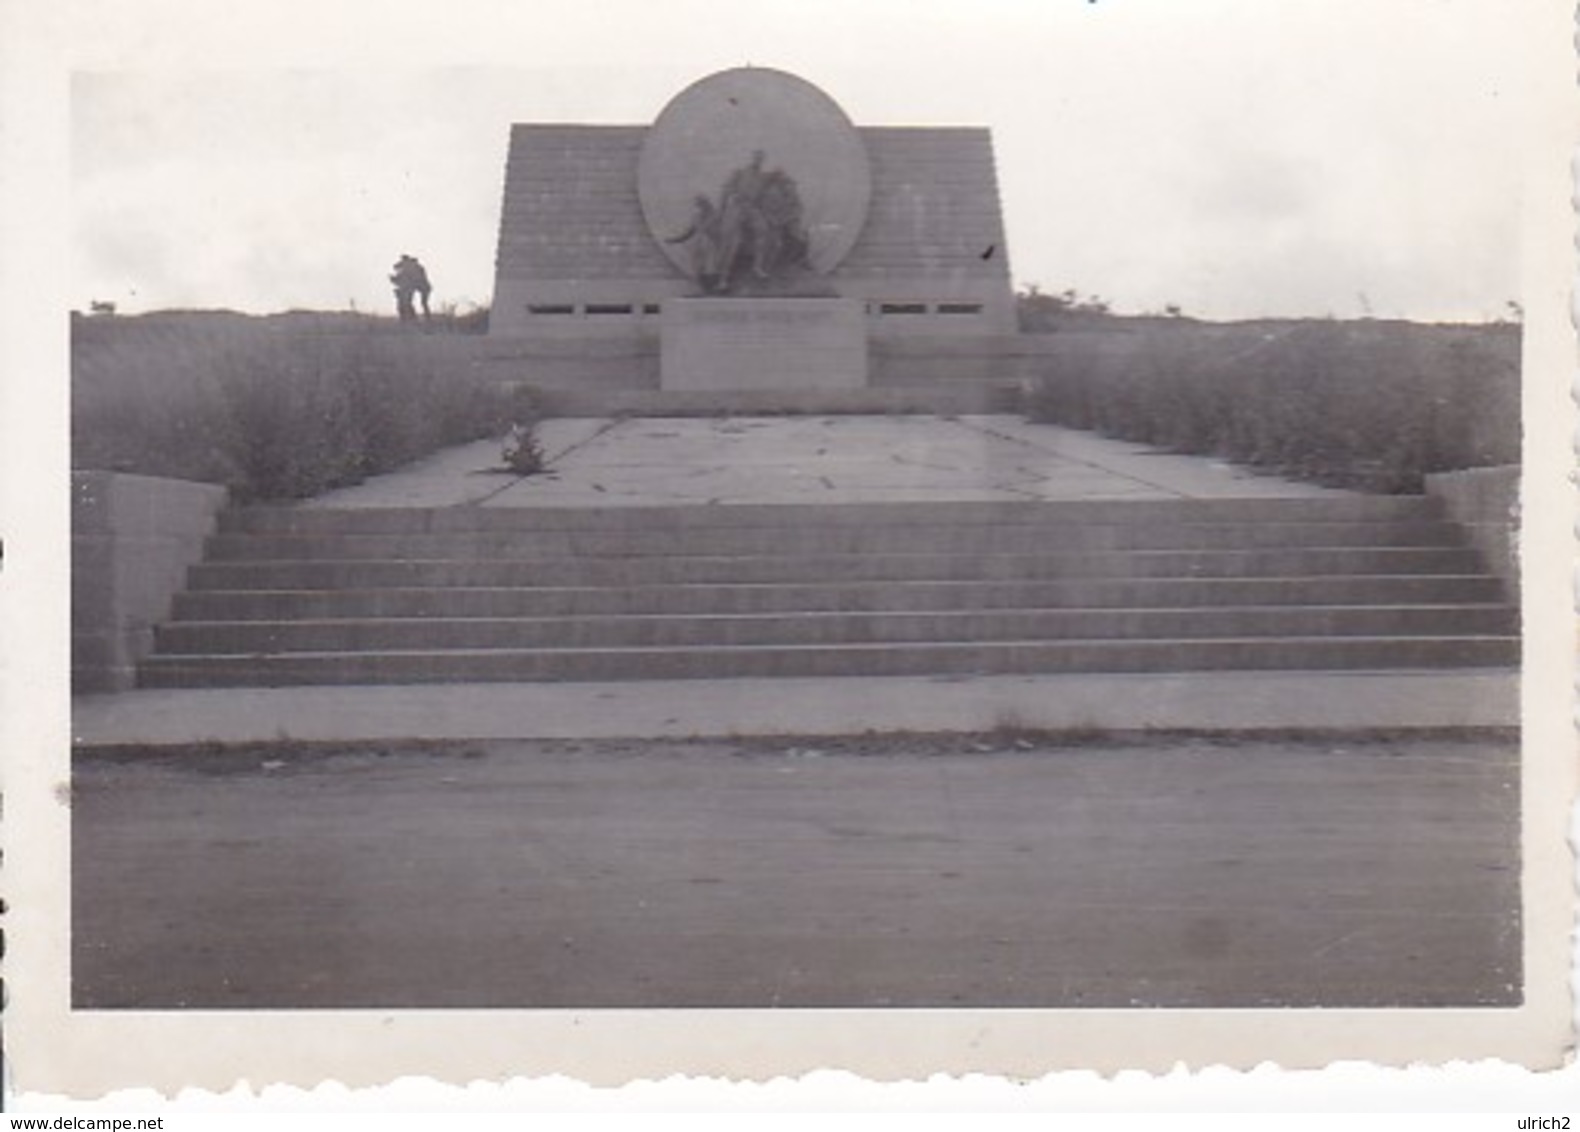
point(728, 541)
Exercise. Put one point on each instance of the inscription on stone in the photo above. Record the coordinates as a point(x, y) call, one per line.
point(734, 343)
point(748, 314)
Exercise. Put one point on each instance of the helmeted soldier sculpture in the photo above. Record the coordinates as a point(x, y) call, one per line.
point(756, 228)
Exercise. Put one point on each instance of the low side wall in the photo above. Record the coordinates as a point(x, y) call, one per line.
point(918, 360)
point(1003, 359)
point(1486, 502)
point(132, 539)
point(565, 362)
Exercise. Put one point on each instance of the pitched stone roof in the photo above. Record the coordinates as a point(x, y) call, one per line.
point(571, 211)
point(935, 206)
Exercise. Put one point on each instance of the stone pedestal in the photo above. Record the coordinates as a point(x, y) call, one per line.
point(763, 343)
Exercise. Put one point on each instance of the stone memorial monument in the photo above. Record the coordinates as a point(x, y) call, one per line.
point(760, 246)
point(752, 238)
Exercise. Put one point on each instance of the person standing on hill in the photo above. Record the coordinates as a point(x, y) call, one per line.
point(410, 279)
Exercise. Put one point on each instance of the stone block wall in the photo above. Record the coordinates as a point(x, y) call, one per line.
point(553, 363)
point(1486, 502)
point(132, 539)
point(921, 360)
point(575, 258)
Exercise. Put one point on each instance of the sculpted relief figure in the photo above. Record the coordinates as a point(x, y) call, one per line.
point(706, 234)
point(756, 228)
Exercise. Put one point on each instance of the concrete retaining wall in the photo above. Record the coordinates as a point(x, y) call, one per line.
point(1486, 502)
point(132, 539)
point(920, 360)
point(564, 363)
point(923, 360)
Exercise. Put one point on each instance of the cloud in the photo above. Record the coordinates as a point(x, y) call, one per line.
point(1225, 157)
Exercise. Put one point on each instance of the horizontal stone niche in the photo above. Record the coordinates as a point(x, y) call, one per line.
point(763, 343)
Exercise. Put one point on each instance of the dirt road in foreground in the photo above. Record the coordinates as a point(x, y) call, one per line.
point(935, 871)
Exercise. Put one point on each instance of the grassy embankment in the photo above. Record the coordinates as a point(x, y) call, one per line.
point(282, 407)
point(292, 405)
point(1369, 404)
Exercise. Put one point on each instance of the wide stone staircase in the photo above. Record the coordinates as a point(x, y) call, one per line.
point(294, 595)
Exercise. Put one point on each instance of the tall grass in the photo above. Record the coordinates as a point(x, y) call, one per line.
point(1375, 406)
point(272, 408)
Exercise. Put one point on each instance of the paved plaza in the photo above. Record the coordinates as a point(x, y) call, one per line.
point(655, 461)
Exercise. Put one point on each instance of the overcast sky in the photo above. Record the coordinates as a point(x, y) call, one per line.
point(1303, 157)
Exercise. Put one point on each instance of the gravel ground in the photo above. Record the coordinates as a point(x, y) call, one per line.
point(1000, 869)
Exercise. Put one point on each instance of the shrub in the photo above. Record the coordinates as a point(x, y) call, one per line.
point(276, 409)
point(1370, 405)
point(1037, 312)
point(474, 321)
point(451, 318)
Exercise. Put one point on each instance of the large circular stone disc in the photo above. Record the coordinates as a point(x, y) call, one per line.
point(712, 128)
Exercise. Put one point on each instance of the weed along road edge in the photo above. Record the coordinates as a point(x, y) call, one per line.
point(992, 870)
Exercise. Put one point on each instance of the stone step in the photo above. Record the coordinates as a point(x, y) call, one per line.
point(706, 598)
point(576, 400)
point(824, 569)
point(303, 595)
point(837, 629)
point(271, 519)
point(472, 545)
point(887, 659)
